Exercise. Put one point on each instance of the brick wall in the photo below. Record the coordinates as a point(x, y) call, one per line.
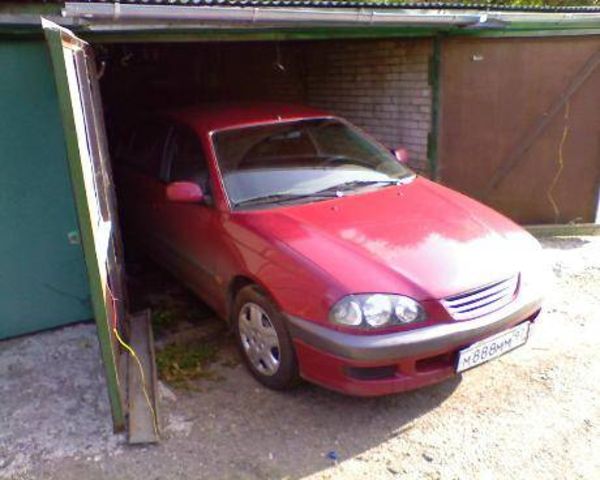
point(381, 86)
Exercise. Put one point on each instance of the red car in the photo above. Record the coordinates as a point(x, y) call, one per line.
point(330, 259)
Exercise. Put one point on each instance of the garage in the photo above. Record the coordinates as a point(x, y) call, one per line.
point(379, 67)
point(382, 85)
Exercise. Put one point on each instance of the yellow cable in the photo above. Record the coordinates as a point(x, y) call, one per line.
point(561, 164)
point(143, 378)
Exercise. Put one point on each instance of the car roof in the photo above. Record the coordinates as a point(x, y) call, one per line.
point(208, 117)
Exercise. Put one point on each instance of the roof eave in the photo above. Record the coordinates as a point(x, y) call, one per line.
point(109, 16)
point(99, 13)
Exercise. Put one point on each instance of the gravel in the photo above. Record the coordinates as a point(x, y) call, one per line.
point(534, 413)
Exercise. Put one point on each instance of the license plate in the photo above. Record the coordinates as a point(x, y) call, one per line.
point(492, 347)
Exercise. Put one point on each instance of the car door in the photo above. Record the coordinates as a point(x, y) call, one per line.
point(190, 230)
point(140, 182)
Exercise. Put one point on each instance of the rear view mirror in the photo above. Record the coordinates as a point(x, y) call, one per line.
point(184, 192)
point(401, 155)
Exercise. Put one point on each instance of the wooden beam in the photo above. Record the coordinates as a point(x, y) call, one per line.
point(564, 230)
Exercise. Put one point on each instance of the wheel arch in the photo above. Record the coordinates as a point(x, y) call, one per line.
point(236, 284)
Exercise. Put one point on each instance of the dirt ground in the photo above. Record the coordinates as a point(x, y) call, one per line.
point(534, 413)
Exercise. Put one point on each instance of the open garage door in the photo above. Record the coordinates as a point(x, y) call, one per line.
point(78, 91)
point(76, 83)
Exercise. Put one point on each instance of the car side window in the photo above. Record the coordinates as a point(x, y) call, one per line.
point(187, 162)
point(145, 148)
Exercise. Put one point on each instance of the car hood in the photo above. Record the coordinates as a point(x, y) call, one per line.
point(419, 239)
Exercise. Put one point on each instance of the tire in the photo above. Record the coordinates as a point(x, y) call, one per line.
point(263, 339)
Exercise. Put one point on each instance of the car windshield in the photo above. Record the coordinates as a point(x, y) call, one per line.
point(301, 161)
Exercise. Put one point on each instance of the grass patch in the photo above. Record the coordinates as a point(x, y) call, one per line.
point(162, 318)
point(179, 365)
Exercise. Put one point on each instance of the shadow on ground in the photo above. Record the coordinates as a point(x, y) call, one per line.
point(56, 425)
point(237, 428)
point(565, 243)
point(231, 426)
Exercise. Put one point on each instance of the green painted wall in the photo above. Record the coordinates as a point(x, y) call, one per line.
point(43, 281)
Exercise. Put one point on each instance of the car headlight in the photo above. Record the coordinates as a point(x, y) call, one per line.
point(407, 310)
point(376, 311)
point(347, 312)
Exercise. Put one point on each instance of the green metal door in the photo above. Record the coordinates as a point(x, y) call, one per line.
point(43, 281)
point(79, 98)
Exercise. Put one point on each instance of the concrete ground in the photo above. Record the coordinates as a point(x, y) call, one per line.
point(534, 413)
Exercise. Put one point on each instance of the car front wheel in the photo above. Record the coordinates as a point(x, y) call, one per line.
point(263, 339)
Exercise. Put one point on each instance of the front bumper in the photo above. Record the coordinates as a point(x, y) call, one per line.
point(370, 365)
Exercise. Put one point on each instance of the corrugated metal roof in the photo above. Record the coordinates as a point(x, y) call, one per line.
point(378, 4)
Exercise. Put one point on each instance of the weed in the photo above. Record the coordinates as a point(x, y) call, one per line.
point(162, 318)
point(178, 365)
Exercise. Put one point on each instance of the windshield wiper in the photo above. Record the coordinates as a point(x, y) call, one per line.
point(364, 183)
point(334, 191)
point(286, 197)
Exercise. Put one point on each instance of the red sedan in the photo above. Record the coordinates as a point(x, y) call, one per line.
point(330, 259)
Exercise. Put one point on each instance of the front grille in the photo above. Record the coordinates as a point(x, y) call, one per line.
point(482, 300)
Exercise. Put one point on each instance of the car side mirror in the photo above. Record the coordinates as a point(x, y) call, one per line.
point(184, 192)
point(401, 155)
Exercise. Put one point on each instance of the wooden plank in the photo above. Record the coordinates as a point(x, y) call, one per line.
point(541, 123)
point(142, 382)
point(564, 230)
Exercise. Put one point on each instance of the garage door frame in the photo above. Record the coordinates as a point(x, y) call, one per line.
point(249, 34)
